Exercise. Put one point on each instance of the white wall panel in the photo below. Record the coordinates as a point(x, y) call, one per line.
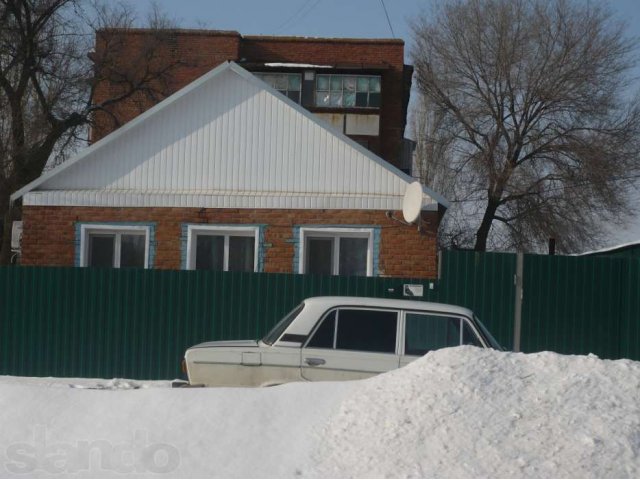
point(228, 141)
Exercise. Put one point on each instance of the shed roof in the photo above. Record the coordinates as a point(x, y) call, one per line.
point(227, 140)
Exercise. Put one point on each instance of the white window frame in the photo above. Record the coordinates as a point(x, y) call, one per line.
point(241, 231)
point(336, 233)
point(118, 231)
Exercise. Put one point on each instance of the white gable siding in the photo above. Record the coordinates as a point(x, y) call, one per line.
point(230, 142)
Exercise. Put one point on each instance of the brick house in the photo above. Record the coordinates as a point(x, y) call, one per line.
point(360, 86)
point(229, 174)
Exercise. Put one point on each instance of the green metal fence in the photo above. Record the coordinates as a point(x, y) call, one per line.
point(573, 304)
point(137, 323)
point(80, 322)
point(482, 282)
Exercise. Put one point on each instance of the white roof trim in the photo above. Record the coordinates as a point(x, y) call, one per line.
point(195, 84)
point(608, 249)
point(240, 200)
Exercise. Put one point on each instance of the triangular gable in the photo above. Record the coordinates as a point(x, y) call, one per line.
point(227, 140)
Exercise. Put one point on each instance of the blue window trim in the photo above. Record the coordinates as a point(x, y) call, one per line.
point(115, 225)
point(376, 229)
point(184, 234)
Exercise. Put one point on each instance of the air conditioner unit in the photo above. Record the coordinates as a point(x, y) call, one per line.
point(16, 235)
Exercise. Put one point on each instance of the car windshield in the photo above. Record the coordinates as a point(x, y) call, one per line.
point(493, 343)
point(282, 325)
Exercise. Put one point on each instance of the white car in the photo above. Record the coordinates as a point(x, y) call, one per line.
point(336, 338)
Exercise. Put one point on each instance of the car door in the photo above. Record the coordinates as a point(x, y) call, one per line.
point(426, 331)
point(351, 343)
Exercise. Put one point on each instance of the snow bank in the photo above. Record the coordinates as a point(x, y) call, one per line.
point(467, 412)
point(461, 412)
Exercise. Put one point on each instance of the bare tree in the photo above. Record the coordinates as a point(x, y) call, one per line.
point(541, 130)
point(48, 80)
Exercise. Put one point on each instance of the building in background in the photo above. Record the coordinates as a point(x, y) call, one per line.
point(359, 86)
point(230, 174)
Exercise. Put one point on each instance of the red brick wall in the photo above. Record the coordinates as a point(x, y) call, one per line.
point(196, 52)
point(49, 234)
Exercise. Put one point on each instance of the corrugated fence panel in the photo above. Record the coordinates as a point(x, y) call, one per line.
point(572, 305)
point(73, 322)
point(81, 322)
point(630, 321)
point(484, 283)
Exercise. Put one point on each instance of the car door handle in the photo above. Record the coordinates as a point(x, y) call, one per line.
point(314, 362)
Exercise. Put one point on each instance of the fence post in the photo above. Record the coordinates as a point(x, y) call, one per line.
point(517, 317)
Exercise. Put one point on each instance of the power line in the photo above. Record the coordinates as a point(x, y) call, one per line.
point(286, 23)
point(388, 20)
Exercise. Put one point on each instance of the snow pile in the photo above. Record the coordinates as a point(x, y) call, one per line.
point(467, 412)
point(461, 412)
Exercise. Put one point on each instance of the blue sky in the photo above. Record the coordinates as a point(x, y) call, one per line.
point(321, 18)
point(338, 18)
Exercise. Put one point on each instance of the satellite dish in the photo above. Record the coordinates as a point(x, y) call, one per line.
point(412, 203)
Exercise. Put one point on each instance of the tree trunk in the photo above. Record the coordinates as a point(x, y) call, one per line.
point(10, 214)
point(483, 231)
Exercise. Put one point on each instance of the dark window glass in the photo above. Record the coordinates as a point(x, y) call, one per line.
point(241, 254)
point(319, 256)
point(210, 252)
point(282, 325)
point(361, 99)
point(132, 251)
point(430, 332)
point(295, 96)
point(367, 330)
point(353, 256)
point(323, 336)
point(101, 250)
point(374, 99)
point(469, 337)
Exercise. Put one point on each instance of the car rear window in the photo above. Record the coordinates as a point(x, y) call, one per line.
point(425, 332)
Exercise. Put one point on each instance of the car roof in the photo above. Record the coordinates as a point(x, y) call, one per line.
point(387, 303)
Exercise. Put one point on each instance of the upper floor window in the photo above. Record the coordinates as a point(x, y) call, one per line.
point(356, 91)
point(114, 246)
point(286, 83)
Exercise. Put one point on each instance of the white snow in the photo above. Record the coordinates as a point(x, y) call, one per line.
point(460, 412)
point(296, 65)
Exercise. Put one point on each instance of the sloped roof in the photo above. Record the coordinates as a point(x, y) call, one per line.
point(227, 140)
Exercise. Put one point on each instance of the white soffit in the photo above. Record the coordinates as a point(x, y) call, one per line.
point(227, 140)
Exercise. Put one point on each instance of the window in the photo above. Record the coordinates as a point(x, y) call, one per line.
point(348, 91)
point(357, 329)
point(424, 333)
point(336, 251)
point(287, 84)
point(114, 246)
point(325, 334)
point(229, 249)
point(282, 325)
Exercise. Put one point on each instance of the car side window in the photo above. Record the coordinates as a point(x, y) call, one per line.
point(366, 330)
point(424, 332)
point(469, 337)
point(323, 336)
